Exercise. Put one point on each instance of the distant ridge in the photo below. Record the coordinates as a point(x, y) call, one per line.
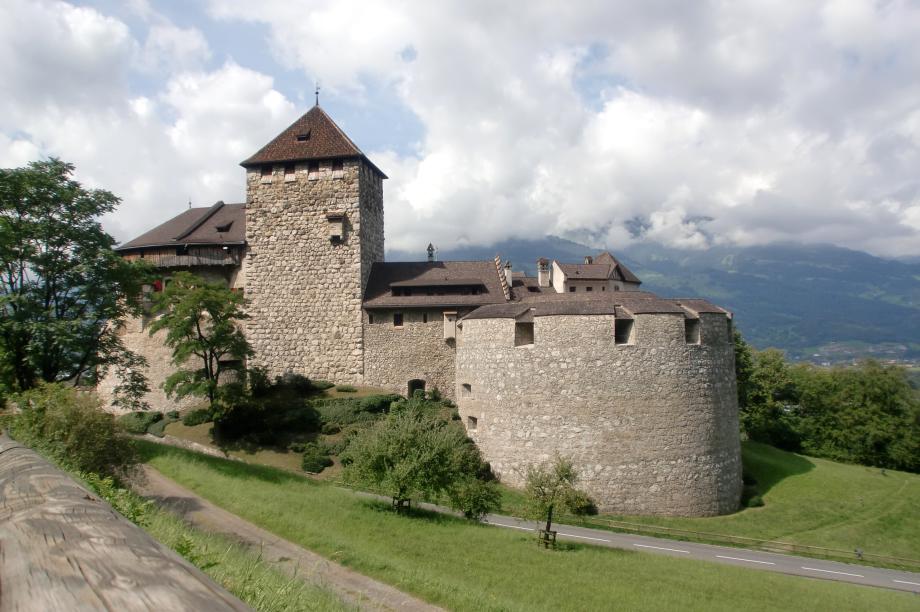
point(817, 302)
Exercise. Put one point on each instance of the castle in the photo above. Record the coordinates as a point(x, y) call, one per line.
point(638, 390)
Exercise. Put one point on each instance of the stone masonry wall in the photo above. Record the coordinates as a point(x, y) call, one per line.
point(652, 426)
point(136, 336)
point(395, 355)
point(305, 291)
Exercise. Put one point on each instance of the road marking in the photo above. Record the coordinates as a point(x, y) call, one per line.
point(748, 560)
point(512, 526)
point(572, 535)
point(686, 552)
point(815, 569)
point(906, 582)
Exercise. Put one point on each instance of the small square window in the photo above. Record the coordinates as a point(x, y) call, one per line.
point(303, 137)
point(692, 331)
point(571, 289)
point(370, 318)
point(471, 423)
point(523, 334)
point(397, 319)
point(589, 288)
point(466, 389)
point(424, 317)
point(603, 287)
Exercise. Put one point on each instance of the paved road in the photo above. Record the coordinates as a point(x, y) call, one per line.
point(773, 562)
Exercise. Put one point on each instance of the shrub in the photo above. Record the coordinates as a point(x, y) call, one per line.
point(330, 429)
point(346, 389)
point(297, 447)
point(321, 385)
point(158, 428)
point(315, 458)
point(173, 414)
point(70, 426)
point(259, 383)
point(296, 382)
point(342, 411)
point(580, 504)
point(139, 422)
point(338, 447)
point(197, 417)
point(755, 502)
point(475, 498)
point(265, 421)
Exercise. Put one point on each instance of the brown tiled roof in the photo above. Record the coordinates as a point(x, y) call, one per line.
point(385, 275)
point(314, 136)
point(196, 226)
point(603, 267)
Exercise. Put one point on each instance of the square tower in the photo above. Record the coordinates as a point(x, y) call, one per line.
point(314, 227)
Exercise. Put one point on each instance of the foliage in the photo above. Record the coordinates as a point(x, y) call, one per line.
point(346, 389)
point(138, 422)
point(70, 426)
point(411, 453)
point(63, 290)
point(315, 458)
point(867, 414)
point(264, 420)
point(551, 486)
point(474, 497)
point(507, 572)
point(158, 428)
point(197, 417)
point(342, 411)
point(321, 385)
point(201, 322)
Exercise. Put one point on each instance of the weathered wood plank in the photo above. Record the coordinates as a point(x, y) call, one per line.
point(63, 548)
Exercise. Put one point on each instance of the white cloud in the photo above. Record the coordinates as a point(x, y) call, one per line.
point(694, 122)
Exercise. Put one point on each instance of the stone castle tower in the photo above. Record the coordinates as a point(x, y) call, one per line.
point(314, 227)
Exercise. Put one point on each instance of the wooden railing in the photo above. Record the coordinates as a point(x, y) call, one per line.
point(63, 548)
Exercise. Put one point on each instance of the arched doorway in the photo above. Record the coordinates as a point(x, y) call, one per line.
point(416, 384)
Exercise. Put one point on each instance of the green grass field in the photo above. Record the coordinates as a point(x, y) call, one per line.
point(820, 503)
point(468, 566)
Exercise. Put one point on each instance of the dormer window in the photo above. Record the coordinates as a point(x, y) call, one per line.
point(224, 228)
point(303, 137)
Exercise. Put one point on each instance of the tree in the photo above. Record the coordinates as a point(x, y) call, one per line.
point(63, 290)
point(551, 486)
point(201, 320)
point(414, 452)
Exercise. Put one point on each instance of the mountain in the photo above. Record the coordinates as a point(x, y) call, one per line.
point(817, 302)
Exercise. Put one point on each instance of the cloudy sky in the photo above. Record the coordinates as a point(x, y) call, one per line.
point(687, 123)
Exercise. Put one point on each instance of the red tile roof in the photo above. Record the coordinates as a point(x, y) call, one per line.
point(314, 136)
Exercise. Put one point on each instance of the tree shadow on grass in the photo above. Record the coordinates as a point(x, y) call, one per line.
point(148, 451)
point(769, 465)
point(414, 513)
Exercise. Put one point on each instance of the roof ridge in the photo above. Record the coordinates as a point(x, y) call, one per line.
point(207, 215)
point(338, 129)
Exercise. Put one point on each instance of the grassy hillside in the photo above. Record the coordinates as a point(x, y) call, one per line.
point(820, 503)
point(468, 566)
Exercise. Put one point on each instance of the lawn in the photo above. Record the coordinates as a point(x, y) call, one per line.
point(820, 503)
point(468, 566)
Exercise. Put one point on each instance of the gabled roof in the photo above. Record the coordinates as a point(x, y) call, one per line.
point(197, 226)
point(439, 276)
point(603, 267)
point(314, 136)
point(623, 304)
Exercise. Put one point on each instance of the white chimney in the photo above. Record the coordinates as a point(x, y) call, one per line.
point(508, 276)
point(543, 272)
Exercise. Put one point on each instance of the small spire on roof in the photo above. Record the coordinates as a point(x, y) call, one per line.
point(190, 202)
point(317, 93)
point(430, 252)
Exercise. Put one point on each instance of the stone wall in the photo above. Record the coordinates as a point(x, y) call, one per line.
point(135, 334)
point(304, 289)
point(651, 426)
point(395, 355)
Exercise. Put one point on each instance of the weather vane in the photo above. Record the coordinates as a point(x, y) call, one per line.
point(317, 93)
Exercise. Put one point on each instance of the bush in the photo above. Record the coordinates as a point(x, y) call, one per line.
point(346, 389)
point(139, 422)
point(580, 504)
point(475, 498)
point(70, 426)
point(330, 429)
point(315, 458)
point(259, 383)
point(197, 417)
point(339, 446)
point(342, 411)
point(297, 447)
point(265, 421)
point(295, 382)
point(173, 414)
point(321, 385)
point(755, 501)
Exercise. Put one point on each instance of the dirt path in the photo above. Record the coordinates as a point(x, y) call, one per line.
point(354, 588)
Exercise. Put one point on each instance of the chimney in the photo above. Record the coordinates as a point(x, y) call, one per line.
point(430, 252)
point(508, 274)
point(589, 259)
point(543, 272)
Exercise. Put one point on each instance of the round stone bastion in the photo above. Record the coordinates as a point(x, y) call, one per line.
point(645, 404)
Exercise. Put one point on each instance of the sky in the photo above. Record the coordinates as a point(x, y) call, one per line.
point(691, 124)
